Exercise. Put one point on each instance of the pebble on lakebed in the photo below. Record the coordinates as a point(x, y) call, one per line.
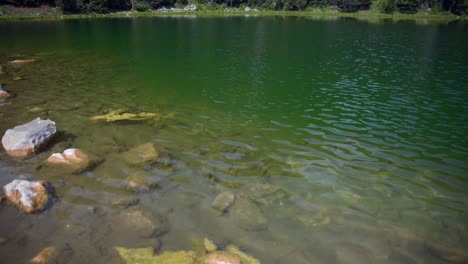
point(28, 138)
point(30, 196)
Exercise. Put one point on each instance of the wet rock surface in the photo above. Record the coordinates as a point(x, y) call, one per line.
point(29, 138)
point(74, 160)
point(30, 196)
point(146, 256)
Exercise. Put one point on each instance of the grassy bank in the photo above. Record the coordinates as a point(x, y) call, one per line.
point(370, 16)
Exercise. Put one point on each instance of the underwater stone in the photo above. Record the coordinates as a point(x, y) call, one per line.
point(141, 181)
point(146, 256)
point(142, 224)
point(22, 61)
point(3, 93)
point(245, 259)
point(209, 245)
point(73, 159)
point(248, 216)
point(30, 196)
point(28, 138)
point(223, 201)
point(141, 154)
point(45, 256)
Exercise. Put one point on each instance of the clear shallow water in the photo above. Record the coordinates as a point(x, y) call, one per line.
point(344, 141)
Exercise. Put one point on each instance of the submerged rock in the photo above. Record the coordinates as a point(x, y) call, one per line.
point(3, 94)
point(220, 257)
point(223, 201)
point(123, 115)
point(142, 224)
point(22, 61)
point(245, 259)
point(209, 245)
point(146, 256)
point(31, 196)
point(26, 139)
point(141, 154)
point(45, 256)
point(141, 181)
point(248, 216)
point(74, 159)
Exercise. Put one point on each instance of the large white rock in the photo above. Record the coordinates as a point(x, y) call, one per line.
point(23, 140)
point(31, 196)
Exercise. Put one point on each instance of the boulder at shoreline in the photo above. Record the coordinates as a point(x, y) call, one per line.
point(28, 138)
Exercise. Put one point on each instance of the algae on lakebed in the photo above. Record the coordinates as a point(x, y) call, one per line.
point(146, 256)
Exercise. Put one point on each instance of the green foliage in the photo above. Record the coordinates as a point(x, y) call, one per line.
point(30, 3)
point(386, 6)
point(459, 7)
point(141, 6)
point(353, 5)
point(294, 4)
point(408, 6)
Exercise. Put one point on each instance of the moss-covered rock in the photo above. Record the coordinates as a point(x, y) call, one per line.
point(146, 256)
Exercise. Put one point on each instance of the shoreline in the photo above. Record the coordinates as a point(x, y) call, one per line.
point(362, 15)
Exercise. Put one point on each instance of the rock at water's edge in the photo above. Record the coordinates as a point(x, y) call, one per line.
point(30, 196)
point(26, 139)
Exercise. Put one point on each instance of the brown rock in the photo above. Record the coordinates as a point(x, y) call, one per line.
point(73, 159)
point(141, 181)
point(45, 256)
point(72, 156)
point(31, 196)
point(141, 154)
point(219, 257)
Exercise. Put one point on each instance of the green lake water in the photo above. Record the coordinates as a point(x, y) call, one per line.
point(344, 141)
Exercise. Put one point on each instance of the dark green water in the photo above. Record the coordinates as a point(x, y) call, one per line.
point(344, 141)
